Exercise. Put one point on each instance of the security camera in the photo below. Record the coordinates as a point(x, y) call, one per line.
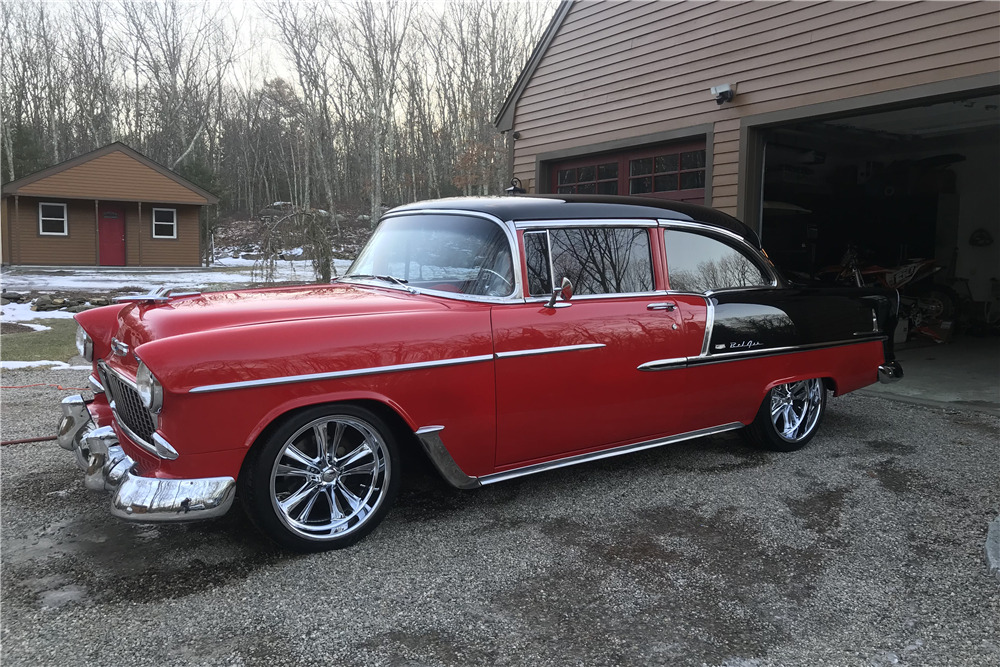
point(724, 93)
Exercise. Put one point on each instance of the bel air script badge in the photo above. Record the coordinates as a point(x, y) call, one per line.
point(744, 344)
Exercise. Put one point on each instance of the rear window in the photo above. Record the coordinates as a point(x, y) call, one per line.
point(699, 263)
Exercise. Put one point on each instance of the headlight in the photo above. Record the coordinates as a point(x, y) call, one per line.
point(84, 344)
point(150, 390)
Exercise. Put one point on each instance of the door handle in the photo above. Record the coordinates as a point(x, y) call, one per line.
point(662, 305)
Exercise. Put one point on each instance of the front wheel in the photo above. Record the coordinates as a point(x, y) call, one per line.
point(789, 416)
point(323, 479)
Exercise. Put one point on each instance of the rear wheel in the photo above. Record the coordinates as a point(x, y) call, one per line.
point(789, 416)
point(324, 479)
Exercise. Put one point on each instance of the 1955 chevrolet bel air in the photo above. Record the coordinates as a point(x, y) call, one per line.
point(458, 331)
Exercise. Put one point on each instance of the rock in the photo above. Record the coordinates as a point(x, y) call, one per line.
point(15, 297)
point(59, 302)
point(99, 301)
point(78, 309)
point(4, 302)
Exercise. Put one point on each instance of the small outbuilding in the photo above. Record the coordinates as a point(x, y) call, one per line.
point(110, 207)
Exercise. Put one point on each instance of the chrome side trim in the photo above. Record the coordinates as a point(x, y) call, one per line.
point(332, 375)
point(772, 351)
point(701, 227)
point(547, 350)
point(605, 222)
point(663, 364)
point(604, 454)
point(709, 326)
point(702, 360)
point(430, 440)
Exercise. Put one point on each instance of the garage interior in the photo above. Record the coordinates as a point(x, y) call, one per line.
point(891, 187)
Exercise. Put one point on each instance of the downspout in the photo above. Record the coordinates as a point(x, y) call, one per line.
point(97, 233)
point(15, 240)
point(141, 233)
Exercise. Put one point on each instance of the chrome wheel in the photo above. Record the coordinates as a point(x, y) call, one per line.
point(796, 408)
point(330, 477)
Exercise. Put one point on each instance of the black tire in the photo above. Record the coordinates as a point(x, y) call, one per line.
point(937, 303)
point(323, 479)
point(789, 416)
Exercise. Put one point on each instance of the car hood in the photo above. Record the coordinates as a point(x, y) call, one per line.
point(142, 322)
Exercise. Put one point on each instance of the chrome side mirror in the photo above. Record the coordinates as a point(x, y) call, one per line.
point(564, 292)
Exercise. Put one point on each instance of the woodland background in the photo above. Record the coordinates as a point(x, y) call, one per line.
point(345, 105)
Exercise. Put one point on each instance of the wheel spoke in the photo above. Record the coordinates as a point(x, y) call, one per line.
point(303, 492)
point(283, 470)
point(337, 511)
point(353, 457)
point(322, 447)
point(293, 452)
point(353, 500)
point(338, 435)
point(367, 469)
point(307, 510)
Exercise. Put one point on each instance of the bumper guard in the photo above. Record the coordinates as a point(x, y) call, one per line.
point(143, 499)
point(890, 372)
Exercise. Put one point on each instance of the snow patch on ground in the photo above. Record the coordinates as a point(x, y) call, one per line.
point(22, 312)
point(55, 365)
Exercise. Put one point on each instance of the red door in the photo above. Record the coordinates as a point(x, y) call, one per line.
point(569, 379)
point(111, 235)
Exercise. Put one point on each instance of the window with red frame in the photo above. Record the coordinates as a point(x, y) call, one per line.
point(671, 171)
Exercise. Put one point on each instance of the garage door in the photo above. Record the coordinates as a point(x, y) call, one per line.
point(667, 171)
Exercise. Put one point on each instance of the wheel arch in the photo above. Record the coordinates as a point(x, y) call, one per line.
point(384, 409)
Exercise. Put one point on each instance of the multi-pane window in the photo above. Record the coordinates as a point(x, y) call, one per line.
point(669, 172)
point(600, 179)
point(597, 260)
point(676, 171)
point(52, 219)
point(164, 223)
point(699, 263)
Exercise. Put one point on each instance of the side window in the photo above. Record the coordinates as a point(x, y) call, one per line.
point(536, 255)
point(697, 263)
point(598, 260)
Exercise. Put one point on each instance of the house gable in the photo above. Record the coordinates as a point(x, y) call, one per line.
point(114, 172)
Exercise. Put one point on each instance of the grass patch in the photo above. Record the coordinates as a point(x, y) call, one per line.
point(56, 344)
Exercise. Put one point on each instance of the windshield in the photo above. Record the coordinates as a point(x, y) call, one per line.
point(447, 253)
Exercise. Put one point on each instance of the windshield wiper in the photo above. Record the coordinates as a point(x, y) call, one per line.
point(387, 279)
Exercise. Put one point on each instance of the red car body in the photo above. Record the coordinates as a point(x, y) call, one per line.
point(490, 385)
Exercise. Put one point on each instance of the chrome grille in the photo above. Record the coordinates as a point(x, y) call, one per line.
point(127, 406)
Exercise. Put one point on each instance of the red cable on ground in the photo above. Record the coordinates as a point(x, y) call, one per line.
point(20, 442)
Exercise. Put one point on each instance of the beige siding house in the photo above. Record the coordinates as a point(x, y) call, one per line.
point(832, 100)
point(110, 207)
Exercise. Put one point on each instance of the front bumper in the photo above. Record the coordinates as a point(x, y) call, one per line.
point(145, 499)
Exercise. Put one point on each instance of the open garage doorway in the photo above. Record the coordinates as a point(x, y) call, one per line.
point(911, 190)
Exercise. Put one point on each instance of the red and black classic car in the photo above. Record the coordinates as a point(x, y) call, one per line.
point(461, 328)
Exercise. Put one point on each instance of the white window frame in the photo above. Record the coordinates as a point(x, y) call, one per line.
point(65, 219)
point(153, 222)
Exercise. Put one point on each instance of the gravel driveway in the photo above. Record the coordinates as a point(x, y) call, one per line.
point(866, 548)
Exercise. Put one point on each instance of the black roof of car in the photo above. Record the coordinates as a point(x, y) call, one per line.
point(584, 207)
